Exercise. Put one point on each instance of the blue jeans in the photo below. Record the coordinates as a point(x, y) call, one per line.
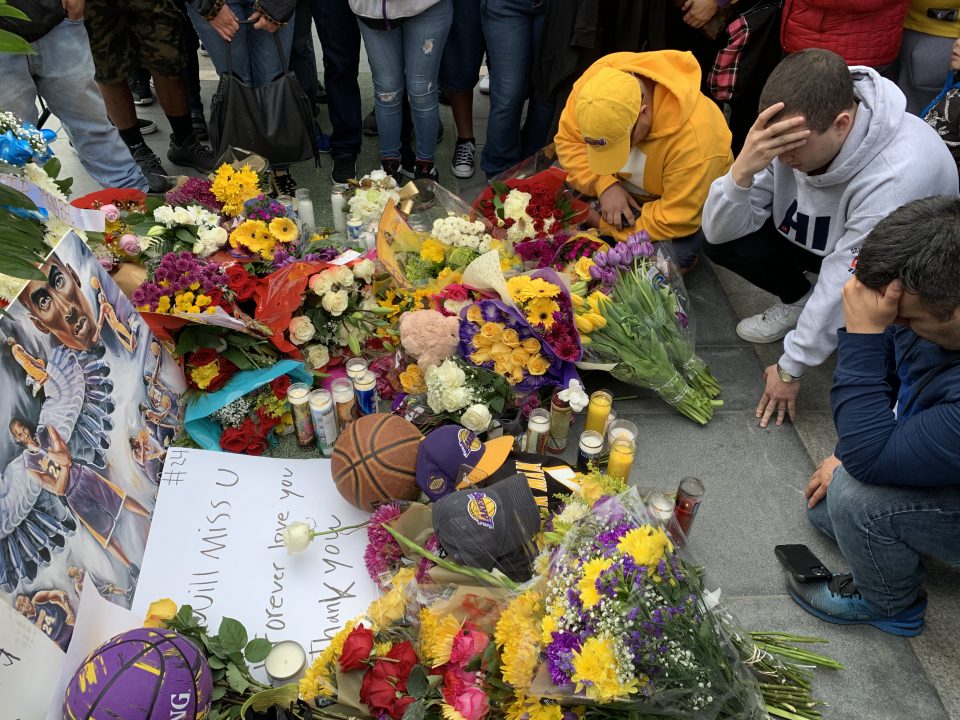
point(512, 31)
point(408, 57)
point(883, 531)
point(255, 57)
point(463, 53)
point(61, 71)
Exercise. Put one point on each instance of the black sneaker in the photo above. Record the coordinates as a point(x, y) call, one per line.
point(370, 124)
point(283, 183)
point(344, 169)
point(321, 93)
point(464, 158)
point(391, 166)
point(140, 87)
point(147, 127)
point(192, 154)
point(199, 126)
point(150, 165)
point(408, 161)
point(426, 170)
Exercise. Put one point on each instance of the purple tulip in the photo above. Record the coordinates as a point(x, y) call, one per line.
point(600, 258)
point(595, 272)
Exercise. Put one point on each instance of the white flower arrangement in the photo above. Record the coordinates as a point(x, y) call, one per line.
point(375, 191)
point(515, 208)
point(459, 231)
point(197, 215)
point(447, 390)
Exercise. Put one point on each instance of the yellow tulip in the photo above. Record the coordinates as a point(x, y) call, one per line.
point(584, 324)
point(159, 612)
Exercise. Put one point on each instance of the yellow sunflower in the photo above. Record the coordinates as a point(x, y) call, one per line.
point(283, 229)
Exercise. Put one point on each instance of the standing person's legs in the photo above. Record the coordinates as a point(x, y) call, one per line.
point(536, 126)
point(424, 36)
point(924, 64)
point(340, 40)
point(768, 260)
point(221, 52)
point(62, 72)
point(459, 75)
point(385, 54)
point(508, 30)
point(266, 61)
point(303, 61)
point(883, 532)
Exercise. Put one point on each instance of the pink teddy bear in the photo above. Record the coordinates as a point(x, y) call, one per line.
point(429, 336)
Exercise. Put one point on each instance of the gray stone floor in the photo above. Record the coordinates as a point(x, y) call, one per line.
point(754, 477)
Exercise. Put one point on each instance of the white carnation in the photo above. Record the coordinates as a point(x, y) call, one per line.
point(165, 216)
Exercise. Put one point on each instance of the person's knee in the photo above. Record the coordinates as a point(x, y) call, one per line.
point(389, 94)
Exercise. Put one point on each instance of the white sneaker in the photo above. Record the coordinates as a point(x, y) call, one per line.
point(463, 161)
point(484, 85)
point(773, 323)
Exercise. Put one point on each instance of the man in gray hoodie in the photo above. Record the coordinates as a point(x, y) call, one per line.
point(832, 152)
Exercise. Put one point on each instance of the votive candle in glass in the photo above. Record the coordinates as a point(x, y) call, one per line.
point(597, 411)
point(621, 458)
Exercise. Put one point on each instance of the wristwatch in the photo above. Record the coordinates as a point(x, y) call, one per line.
point(785, 376)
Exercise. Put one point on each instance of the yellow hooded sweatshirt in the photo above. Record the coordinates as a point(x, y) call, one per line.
point(671, 169)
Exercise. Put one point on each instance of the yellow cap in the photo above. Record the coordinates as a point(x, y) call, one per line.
point(607, 109)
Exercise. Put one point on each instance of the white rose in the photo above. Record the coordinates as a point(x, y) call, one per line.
point(450, 375)
point(456, 398)
point(343, 276)
point(297, 536)
point(317, 356)
point(301, 330)
point(321, 283)
point(335, 302)
point(364, 270)
point(377, 175)
point(477, 418)
point(182, 216)
point(515, 205)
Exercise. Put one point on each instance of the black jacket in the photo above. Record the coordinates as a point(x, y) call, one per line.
point(280, 11)
point(44, 16)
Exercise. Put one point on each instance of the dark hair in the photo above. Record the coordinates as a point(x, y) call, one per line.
point(20, 421)
point(918, 244)
point(815, 83)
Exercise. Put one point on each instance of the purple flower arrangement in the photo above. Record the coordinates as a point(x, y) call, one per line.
point(177, 273)
point(194, 191)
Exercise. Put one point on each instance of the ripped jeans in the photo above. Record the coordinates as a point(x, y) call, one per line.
point(408, 56)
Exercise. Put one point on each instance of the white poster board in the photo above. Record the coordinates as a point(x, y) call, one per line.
point(216, 543)
point(29, 667)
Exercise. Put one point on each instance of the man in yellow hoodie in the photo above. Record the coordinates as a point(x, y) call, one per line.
point(638, 134)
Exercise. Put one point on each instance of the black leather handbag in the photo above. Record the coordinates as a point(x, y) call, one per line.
point(273, 120)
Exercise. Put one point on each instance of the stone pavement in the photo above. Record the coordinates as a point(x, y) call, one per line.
point(754, 477)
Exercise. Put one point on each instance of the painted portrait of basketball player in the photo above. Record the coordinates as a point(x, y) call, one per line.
point(88, 404)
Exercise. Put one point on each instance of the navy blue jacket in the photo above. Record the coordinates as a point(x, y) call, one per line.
point(920, 445)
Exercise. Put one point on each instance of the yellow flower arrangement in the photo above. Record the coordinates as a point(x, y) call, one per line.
point(442, 642)
point(392, 606)
point(234, 187)
point(540, 311)
point(595, 672)
point(538, 365)
point(510, 337)
point(412, 380)
point(491, 330)
point(587, 585)
point(283, 229)
point(646, 545)
point(517, 636)
point(255, 236)
point(433, 251)
point(531, 345)
point(523, 289)
point(319, 680)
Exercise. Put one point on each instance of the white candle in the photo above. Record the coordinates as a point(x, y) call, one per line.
point(305, 211)
point(661, 506)
point(285, 663)
point(337, 203)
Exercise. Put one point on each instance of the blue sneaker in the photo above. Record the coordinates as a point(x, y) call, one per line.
point(838, 601)
point(323, 142)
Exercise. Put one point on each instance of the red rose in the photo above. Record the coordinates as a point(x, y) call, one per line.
point(382, 682)
point(241, 282)
point(233, 440)
point(201, 357)
point(280, 386)
point(256, 445)
point(227, 371)
point(356, 649)
point(405, 657)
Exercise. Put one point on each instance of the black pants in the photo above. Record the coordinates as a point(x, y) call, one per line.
point(769, 261)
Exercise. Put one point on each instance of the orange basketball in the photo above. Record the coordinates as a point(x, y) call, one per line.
point(375, 461)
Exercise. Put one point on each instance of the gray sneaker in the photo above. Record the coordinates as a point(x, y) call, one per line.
point(773, 323)
point(152, 168)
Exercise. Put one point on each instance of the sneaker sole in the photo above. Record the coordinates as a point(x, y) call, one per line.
point(143, 101)
point(148, 129)
point(761, 340)
point(902, 628)
point(463, 175)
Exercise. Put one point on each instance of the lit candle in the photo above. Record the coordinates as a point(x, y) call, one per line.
point(285, 663)
point(621, 429)
point(598, 410)
point(621, 459)
point(356, 367)
point(661, 507)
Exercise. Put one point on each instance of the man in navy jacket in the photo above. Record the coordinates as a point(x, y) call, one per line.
point(891, 493)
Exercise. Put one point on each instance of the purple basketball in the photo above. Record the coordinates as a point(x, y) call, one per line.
point(142, 674)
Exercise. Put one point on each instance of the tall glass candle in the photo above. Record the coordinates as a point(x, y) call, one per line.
point(621, 458)
point(598, 410)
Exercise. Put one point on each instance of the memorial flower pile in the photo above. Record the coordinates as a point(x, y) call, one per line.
point(182, 284)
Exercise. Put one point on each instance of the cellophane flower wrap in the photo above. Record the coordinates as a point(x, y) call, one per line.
point(616, 621)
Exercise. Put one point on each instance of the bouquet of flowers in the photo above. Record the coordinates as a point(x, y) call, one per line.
point(248, 421)
point(618, 619)
point(232, 187)
point(193, 229)
point(195, 191)
point(371, 194)
point(466, 394)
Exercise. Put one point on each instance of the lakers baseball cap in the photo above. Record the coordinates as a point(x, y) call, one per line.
point(446, 449)
point(490, 527)
point(607, 109)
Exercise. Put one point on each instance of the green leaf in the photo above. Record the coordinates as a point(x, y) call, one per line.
point(283, 696)
point(7, 10)
point(185, 617)
point(153, 202)
point(19, 268)
point(232, 635)
point(215, 663)
point(14, 44)
point(236, 680)
point(65, 185)
point(353, 343)
point(52, 167)
point(185, 236)
point(415, 711)
point(237, 357)
point(218, 692)
point(417, 682)
point(15, 198)
point(257, 650)
point(219, 674)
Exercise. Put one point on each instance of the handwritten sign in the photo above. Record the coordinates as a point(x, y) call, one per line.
point(92, 220)
point(29, 667)
point(216, 543)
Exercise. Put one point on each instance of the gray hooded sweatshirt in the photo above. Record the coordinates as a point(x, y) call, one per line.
point(888, 159)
